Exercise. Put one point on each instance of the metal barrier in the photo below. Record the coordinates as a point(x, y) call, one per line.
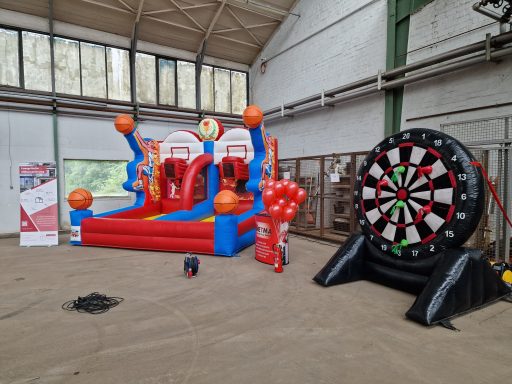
point(490, 141)
point(329, 180)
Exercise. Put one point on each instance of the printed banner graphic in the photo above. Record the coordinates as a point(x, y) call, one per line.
point(38, 204)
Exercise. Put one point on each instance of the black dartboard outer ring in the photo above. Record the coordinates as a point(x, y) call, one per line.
point(455, 194)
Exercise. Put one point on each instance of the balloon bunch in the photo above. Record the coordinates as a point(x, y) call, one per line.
point(281, 200)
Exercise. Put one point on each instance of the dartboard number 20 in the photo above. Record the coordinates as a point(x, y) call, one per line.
point(417, 194)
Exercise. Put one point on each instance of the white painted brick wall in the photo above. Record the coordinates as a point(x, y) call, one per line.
point(351, 49)
point(441, 26)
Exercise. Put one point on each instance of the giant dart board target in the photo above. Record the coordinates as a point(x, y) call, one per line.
point(417, 194)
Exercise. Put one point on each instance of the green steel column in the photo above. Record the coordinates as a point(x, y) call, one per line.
point(57, 157)
point(399, 12)
point(54, 110)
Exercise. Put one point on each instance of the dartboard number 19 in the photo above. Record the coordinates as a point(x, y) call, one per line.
point(417, 194)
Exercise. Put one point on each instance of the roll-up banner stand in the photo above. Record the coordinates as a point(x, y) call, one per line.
point(39, 220)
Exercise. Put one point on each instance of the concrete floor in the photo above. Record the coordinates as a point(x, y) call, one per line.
point(238, 322)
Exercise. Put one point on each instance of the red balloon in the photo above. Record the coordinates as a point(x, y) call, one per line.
point(300, 196)
point(275, 211)
point(291, 189)
point(288, 214)
point(285, 182)
point(293, 204)
point(282, 202)
point(269, 184)
point(279, 189)
point(268, 196)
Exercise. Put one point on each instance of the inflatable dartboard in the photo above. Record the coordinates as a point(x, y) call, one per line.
point(417, 194)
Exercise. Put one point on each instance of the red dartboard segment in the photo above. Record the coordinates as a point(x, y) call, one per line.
point(396, 214)
point(434, 152)
point(381, 155)
point(452, 179)
point(428, 238)
point(450, 213)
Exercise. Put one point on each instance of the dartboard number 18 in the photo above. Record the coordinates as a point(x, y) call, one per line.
point(417, 194)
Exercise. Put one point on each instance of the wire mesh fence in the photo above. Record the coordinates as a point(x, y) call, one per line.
point(329, 181)
point(490, 142)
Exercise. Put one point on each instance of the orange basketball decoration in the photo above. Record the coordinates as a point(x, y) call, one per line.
point(225, 202)
point(124, 124)
point(252, 116)
point(80, 198)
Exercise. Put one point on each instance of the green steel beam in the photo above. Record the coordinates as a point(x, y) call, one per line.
point(399, 15)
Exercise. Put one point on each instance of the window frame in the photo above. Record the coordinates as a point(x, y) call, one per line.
point(126, 197)
point(105, 46)
point(171, 58)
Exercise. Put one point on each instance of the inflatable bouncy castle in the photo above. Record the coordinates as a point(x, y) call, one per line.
point(194, 191)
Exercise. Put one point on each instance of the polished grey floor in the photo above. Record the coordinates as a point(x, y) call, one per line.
point(238, 322)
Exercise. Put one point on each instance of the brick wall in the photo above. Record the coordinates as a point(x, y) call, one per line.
point(353, 48)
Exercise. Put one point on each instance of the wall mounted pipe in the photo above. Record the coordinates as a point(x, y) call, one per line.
point(451, 67)
point(495, 41)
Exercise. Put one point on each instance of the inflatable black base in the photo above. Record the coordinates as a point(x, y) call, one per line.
point(449, 284)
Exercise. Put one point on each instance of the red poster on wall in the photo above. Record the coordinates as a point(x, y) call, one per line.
point(38, 204)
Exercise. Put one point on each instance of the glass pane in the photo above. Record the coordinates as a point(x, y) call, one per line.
point(145, 74)
point(238, 91)
point(94, 81)
point(67, 66)
point(37, 61)
point(167, 81)
point(222, 91)
point(101, 177)
point(9, 58)
point(207, 101)
point(186, 85)
point(118, 74)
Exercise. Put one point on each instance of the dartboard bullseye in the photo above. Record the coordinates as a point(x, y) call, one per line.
point(417, 194)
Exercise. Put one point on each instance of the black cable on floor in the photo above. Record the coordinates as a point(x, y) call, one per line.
point(93, 303)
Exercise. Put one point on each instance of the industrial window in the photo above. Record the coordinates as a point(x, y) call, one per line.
point(238, 92)
point(67, 66)
point(93, 68)
point(99, 71)
point(222, 90)
point(9, 58)
point(37, 61)
point(186, 85)
point(207, 89)
point(118, 74)
point(167, 81)
point(104, 178)
point(145, 73)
